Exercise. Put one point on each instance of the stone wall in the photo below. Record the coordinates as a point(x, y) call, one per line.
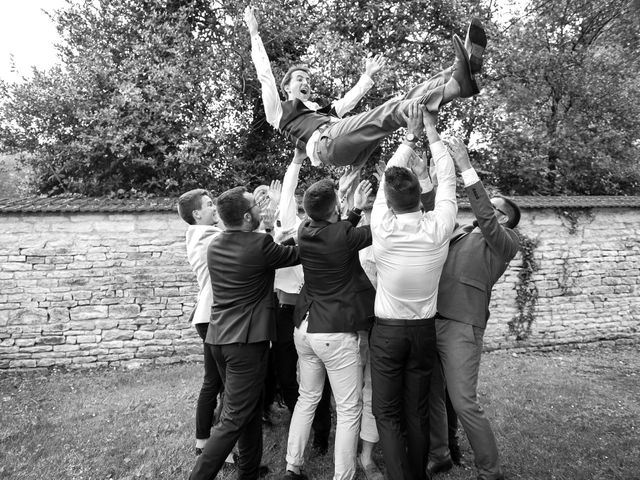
point(101, 288)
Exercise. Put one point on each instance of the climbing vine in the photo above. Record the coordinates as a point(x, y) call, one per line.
point(572, 216)
point(526, 290)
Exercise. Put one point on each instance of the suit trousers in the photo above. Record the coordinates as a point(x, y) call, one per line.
point(211, 386)
point(338, 355)
point(460, 347)
point(286, 361)
point(402, 357)
point(352, 140)
point(243, 369)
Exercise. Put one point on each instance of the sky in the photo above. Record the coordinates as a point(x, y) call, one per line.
point(27, 33)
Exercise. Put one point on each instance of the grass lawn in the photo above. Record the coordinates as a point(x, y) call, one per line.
point(570, 414)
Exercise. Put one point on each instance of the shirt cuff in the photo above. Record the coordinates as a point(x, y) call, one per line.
point(426, 185)
point(469, 177)
point(438, 149)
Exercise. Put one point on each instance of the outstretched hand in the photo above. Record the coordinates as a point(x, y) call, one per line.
point(361, 195)
point(250, 20)
point(275, 192)
point(373, 65)
point(413, 118)
point(459, 153)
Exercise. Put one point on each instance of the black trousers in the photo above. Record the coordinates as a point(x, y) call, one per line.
point(243, 367)
point(403, 354)
point(211, 386)
point(286, 359)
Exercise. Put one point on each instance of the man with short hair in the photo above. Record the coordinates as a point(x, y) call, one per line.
point(336, 302)
point(241, 265)
point(410, 247)
point(196, 207)
point(478, 256)
point(328, 138)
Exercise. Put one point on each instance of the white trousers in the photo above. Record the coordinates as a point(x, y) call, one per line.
point(339, 354)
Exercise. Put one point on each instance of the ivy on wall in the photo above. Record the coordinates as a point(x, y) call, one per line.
point(526, 290)
point(572, 217)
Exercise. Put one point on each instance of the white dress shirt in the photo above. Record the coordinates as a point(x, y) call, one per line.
point(289, 279)
point(410, 248)
point(198, 238)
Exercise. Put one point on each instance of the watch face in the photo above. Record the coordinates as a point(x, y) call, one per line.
point(411, 137)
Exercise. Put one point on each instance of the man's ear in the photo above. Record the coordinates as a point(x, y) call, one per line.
point(196, 214)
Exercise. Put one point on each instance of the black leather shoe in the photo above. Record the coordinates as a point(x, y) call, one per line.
point(462, 70)
point(439, 467)
point(475, 43)
point(289, 475)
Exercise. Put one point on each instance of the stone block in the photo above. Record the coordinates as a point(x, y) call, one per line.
point(66, 348)
point(89, 312)
point(28, 316)
point(87, 339)
point(26, 363)
point(110, 335)
point(143, 335)
point(167, 334)
point(51, 340)
point(124, 311)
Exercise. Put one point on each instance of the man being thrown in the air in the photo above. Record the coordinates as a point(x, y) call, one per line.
point(328, 138)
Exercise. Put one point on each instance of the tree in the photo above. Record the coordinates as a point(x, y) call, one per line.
point(563, 114)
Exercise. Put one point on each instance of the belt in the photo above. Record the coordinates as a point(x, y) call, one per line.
point(402, 322)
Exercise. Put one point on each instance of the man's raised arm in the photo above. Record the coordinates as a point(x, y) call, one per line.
point(270, 96)
point(372, 66)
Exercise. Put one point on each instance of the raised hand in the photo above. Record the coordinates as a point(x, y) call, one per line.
point(361, 194)
point(414, 118)
point(275, 192)
point(459, 153)
point(373, 65)
point(250, 20)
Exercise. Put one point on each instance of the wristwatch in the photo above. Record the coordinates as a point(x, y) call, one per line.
point(410, 137)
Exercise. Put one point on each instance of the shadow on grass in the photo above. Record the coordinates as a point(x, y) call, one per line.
point(560, 415)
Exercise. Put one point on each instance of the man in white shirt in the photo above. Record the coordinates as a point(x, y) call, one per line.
point(410, 248)
point(322, 132)
point(196, 207)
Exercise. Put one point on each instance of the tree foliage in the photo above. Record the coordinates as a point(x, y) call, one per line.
point(159, 96)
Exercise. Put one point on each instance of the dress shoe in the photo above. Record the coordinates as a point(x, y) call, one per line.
point(475, 43)
point(289, 475)
point(439, 467)
point(462, 70)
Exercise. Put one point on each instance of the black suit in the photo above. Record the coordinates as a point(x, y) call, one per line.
point(242, 267)
point(337, 292)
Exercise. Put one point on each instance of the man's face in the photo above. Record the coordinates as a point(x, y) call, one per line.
point(254, 210)
point(207, 214)
point(299, 86)
point(501, 210)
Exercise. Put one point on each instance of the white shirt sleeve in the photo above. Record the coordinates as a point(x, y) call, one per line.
point(445, 208)
point(288, 207)
point(270, 95)
point(469, 177)
point(353, 96)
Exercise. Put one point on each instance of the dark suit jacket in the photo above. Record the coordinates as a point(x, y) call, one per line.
point(242, 266)
point(337, 293)
point(475, 263)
